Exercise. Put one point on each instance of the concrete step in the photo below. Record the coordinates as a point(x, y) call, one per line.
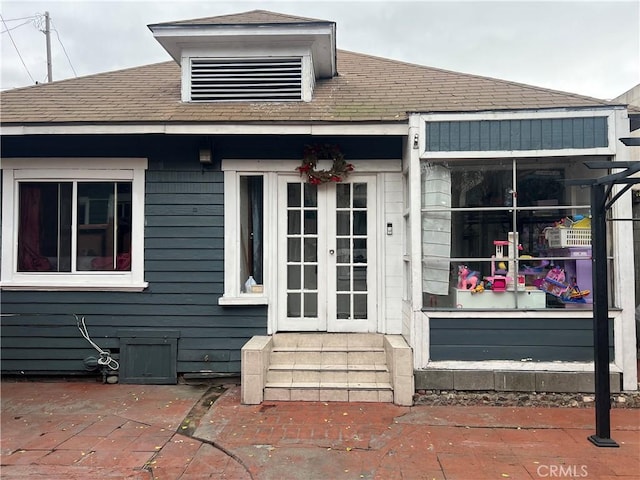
point(328, 340)
point(294, 357)
point(292, 376)
point(327, 367)
point(329, 348)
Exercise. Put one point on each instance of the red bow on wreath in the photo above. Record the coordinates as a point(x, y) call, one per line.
point(339, 169)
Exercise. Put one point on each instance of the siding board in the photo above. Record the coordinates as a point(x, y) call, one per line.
point(464, 137)
point(600, 131)
point(529, 339)
point(190, 210)
point(531, 354)
point(210, 367)
point(184, 199)
point(183, 221)
point(184, 232)
point(32, 366)
point(184, 254)
point(181, 243)
point(194, 277)
point(527, 134)
point(200, 355)
point(54, 354)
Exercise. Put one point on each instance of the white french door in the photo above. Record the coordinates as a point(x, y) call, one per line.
point(326, 255)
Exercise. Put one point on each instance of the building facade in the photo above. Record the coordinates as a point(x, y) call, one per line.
point(278, 184)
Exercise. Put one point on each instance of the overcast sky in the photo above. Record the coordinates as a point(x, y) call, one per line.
point(586, 47)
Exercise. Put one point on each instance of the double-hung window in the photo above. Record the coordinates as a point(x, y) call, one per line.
point(73, 224)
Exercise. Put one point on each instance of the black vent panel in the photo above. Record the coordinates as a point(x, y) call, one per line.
point(255, 80)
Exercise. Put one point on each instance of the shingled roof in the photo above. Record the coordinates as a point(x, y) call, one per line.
point(367, 89)
point(262, 17)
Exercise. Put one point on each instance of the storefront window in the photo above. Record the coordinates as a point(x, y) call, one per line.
point(506, 233)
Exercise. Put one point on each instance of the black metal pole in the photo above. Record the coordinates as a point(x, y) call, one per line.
point(602, 438)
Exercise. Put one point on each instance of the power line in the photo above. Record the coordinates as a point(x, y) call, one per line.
point(65, 52)
point(17, 26)
point(16, 47)
point(18, 19)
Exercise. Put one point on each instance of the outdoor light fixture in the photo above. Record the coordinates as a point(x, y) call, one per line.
point(205, 156)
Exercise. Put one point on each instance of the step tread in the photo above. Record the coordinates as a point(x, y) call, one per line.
point(331, 385)
point(327, 348)
point(337, 367)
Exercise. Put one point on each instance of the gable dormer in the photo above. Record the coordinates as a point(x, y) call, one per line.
point(256, 56)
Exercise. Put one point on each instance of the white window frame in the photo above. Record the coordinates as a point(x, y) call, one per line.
point(15, 170)
point(233, 171)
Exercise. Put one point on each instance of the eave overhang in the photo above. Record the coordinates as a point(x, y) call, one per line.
point(337, 129)
point(320, 37)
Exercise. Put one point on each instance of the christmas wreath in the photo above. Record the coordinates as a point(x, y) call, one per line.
point(339, 169)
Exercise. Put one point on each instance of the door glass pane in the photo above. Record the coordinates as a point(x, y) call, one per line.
point(342, 223)
point(293, 194)
point(293, 222)
point(343, 307)
point(293, 277)
point(360, 223)
point(293, 305)
point(359, 250)
point(310, 195)
point(360, 195)
point(311, 277)
point(343, 279)
point(310, 249)
point(343, 254)
point(293, 249)
point(343, 195)
point(360, 279)
point(310, 222)
point(311, 305)
point(360, 306)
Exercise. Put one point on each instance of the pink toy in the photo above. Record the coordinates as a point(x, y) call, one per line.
point(467, 279)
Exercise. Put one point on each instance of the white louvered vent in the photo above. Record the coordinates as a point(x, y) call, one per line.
point(255, 80)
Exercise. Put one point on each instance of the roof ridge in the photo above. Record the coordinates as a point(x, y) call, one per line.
point(286, 15)
point(246, 17)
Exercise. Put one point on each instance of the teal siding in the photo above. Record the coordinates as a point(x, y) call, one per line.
point(184, 265)
point(184, 258)
point(507, 135)
point(530, 339)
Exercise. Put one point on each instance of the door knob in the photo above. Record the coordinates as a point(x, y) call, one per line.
point(332, 251)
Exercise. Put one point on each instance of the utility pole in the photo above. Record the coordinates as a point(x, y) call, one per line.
point(47, 34)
